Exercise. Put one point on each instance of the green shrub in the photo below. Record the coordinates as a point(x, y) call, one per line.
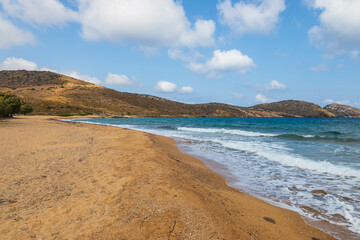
point(5, 109)
point(26, 108)
point(10, 104)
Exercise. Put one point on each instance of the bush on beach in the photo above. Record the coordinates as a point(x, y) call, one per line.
point(11, 104)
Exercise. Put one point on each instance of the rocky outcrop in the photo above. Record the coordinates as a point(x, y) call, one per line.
point(343, 110)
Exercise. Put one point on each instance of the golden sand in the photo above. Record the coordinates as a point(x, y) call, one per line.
point(61, 180)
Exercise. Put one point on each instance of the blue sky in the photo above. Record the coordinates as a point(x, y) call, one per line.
point(237, 52)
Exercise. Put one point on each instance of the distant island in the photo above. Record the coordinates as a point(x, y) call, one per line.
point(55, 94)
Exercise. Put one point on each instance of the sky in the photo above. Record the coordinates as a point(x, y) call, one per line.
point(237, 52)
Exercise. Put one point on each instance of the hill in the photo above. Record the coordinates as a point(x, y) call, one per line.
point(295, 108)
point(343, 110)
point(55, 94)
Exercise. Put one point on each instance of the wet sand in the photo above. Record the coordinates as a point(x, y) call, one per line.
point(63, 180)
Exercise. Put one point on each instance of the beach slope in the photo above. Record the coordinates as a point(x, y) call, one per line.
point(63, 180)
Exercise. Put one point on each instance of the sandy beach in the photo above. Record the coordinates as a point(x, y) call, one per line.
point(63, 180)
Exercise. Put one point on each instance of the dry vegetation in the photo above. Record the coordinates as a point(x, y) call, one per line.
point(295, 108)
point(55, 94)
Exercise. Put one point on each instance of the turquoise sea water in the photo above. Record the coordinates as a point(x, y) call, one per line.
point(279, 159)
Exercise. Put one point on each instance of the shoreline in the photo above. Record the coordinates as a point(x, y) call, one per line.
point(334, 230)
point(98, 185)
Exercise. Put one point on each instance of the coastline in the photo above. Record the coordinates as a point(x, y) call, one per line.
point(81, 181)
point(336, 231)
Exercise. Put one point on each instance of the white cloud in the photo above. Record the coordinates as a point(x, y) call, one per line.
point(10, 35)
point(223, 61)
point(148, 23)
point(330, 101)
point(169, 87)
point(186, 89)
point(178, 54)
point(273, 85)
point(117, 79)
point(164, 86)
point(318, 68)
point(246, 17)
point(40, 12)
point(13, 63)
point(262, 98)
point(339, 28)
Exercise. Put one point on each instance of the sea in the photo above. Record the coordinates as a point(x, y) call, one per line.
point(309, 165)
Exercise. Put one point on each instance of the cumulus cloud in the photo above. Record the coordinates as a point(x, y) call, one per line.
point(186, 89)
point(275, 85)
point(223, 61)
point(169, 87)
point(12, 35)
point(339, 28)
point(13, 63)
point(117, 79)
point(40, 12)
point(148, 23)
point(166, 87)
point(262, 98)
point(319, 68)
point(246, 17)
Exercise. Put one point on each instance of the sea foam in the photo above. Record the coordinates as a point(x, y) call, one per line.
point(227, 131)
point(274, 152)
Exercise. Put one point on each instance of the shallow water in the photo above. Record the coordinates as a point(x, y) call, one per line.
point(284, 160)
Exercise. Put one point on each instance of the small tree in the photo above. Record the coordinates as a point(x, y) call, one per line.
point(11, 104)
point(5, 109)
point(26, 108)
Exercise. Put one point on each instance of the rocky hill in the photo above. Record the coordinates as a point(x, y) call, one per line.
point(343, 110)
point(295, 108)
point(55, 94)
